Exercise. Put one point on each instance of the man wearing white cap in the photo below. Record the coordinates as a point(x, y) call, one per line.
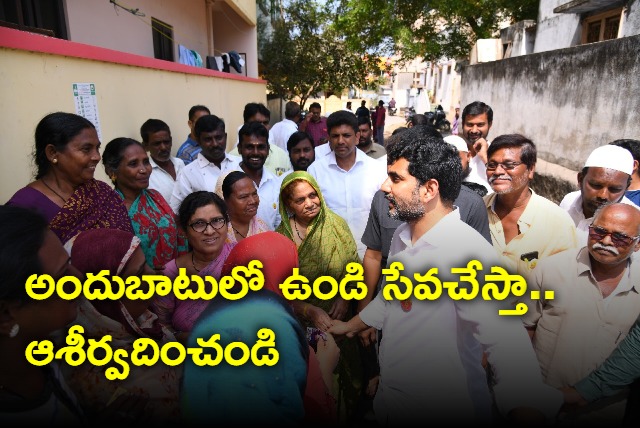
point(604, 179)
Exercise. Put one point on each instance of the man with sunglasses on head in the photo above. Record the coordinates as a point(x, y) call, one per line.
point(524, 226)
point(604, 179)
point(595, 304)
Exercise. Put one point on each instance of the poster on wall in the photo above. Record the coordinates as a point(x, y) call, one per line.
point(84, 98)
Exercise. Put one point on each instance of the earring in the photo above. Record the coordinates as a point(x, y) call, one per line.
point(113, 178)
point(14, 331)
point(54, 161)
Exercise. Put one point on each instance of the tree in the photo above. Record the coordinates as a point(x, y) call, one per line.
point(430, 29)
point(304, 54)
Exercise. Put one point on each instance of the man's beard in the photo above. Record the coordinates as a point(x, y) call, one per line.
point(407, 211)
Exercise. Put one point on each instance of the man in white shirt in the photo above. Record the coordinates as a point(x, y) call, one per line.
point(604, 179)
point(280, 132)
point(431, 351)
point(477, 119)
point(278, 159)
point(156, 139)
point(254, 149)
point(348, 178)
point(203, 173)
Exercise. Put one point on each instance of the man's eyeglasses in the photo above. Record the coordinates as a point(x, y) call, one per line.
point(507, 166)
point(200, 226)
point(617, 239)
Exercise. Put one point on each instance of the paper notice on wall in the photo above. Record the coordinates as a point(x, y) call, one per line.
point(84, 98)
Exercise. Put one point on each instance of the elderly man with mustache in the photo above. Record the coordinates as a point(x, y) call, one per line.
point(525, 227)
point(596, 302)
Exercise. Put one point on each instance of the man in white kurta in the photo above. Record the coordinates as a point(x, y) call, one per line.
point(431, 351)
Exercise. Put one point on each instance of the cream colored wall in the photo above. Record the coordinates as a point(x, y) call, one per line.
point(98, 23)
point(245, 8)
point(35, 84)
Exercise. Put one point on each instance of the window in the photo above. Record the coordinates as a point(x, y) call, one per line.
point(38, 16)
point(602, 26)
point(162, 40)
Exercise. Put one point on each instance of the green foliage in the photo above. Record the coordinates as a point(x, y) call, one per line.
point(431, 29)
point(304, 54)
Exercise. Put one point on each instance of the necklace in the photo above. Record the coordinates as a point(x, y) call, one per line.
point(295, 224)
point(64, 201)
point(236, 231)
point(193, 263)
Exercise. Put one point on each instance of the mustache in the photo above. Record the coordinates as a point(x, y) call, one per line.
point(609, 248)
point(390, 199)
point(499, 177)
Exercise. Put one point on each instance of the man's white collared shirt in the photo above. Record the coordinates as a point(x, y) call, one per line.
point(200, 175)
point(280, 132)
point(161, 180)
point(349, 193)
point(572, 203)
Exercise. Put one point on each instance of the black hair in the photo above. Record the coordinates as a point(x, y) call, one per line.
point(476, 108)
point(528, 152)
point(429, 157)
point(56, 129)
point(342, 117)
point(291, 110)
point(315, 105)
point(363, 120)
point(22, 233)
point(632, 145)
point(419, 119)
point(151, 126)
point(193, 110)
point(114, 152)
point(296, 137)
point(208, 123)
point(232, 178)
point(253, 128)
point(251, 109)
point(197, 200)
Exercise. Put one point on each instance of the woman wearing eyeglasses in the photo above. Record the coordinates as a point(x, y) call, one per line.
point(203, 216)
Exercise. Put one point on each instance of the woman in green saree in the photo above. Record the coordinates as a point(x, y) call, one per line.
point(325, 247)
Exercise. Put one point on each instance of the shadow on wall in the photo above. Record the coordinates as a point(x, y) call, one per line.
point(551, 187)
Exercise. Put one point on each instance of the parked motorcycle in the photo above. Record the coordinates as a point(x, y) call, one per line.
point(439, 119)
point(408, 114)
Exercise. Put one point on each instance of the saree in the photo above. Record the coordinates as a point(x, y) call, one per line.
point(93, 205)
point(326, 250)
point(154, 223)
point(256, 225)
point(180, 315)
point(91, 252)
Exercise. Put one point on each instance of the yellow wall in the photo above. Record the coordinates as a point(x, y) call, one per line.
point(246, 8)
point(34, 84)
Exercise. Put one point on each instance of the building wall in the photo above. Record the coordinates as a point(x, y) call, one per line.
point(556, 30)
point(37, 76)
point(632, 19)
point(232, 33)
point(99, 23)
point(567, 101)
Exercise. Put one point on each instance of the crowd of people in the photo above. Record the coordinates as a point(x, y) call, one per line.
point(317, 194)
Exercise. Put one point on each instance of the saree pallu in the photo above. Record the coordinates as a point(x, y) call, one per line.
point(326, 250)
point(93, 205)
point(154, 223)
point(181, 315)
point(256, 225)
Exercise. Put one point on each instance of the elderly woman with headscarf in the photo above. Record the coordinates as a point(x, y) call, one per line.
point(325, 247)
point(125, 320)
